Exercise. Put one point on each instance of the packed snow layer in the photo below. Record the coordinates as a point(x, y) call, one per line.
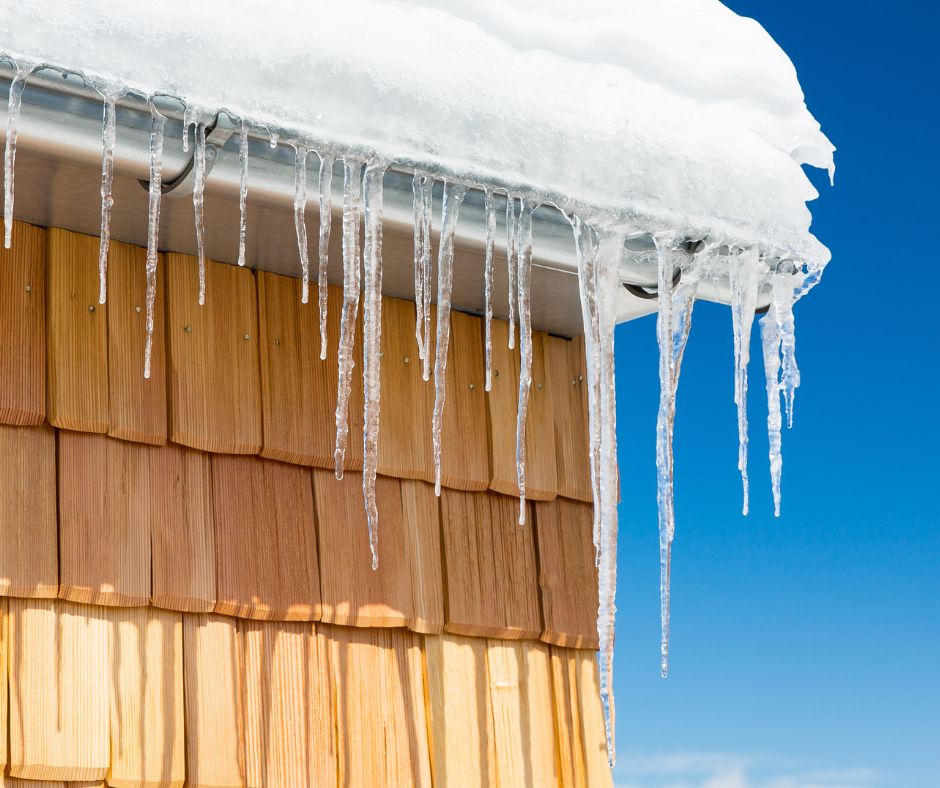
point(677, 110)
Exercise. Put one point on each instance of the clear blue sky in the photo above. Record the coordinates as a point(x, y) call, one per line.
point(805, 650)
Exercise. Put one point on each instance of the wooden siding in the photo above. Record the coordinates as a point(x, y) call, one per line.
point(217, 621)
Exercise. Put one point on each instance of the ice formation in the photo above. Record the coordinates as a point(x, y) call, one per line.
point(743, 273)
point(371, 346)
point(326, 220)
point(450, 209)
point(153, 224)
point(300, 219)
point(108, 132)
point(724, 198)
point(676, 286)
point(523, 279)
point(242, 190)
point(352, 212)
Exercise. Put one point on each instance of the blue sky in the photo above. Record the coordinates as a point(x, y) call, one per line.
point(805, 650)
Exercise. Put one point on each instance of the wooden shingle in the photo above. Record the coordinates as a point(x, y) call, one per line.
point(354, 594)
point(23, 326)
point(290, 734)
point(213, 376)
point(265, 540)
point(212, 681)
point(76, 333)
point(183, 530)
point(564, 377)
point(567, 574)
point(490, 567)
point(381, 720)
point(147, 720)
point(29, 563)
point(137, 404)
point(422, 524)
point(59, 674)
point(465, 460)
point(104, 520)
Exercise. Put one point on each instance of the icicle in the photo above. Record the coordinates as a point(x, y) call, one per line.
point(107, 201)
point(743, 271)
point(417, 207)
point(770, 342)
point(587, 286)
point(610, 252)
point(157, 125)
point(273, 139)
point(672, 333)
point(300, 223)
point(199, 189)
point(524, 271)
point(427, 203)
point(371, 347)
point(9, 156)
point(489, 210)
point(242, 191)
point(783, 297)
point(189, 119)
point(511, 269)
point(326, 220)
point(450, 209)
point(352, 209)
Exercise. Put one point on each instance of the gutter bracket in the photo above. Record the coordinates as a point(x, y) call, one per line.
point(217, 134)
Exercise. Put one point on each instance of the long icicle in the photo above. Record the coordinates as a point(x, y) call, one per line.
point(326, 221)
point(427, 201)
point(523, 278)
point(107, 201)
point(770, 343)
point(510, 265)
point(417, 206)
point(242, 191)
point(587, 287)
point(450, 209)
point(610, 252)
point(300, 219)
point(371, 347)
point(743, 274)
point(199, 190)
point(352, 210)
point(784, 291)
point(672, 332)
point(14, 103)
point(489, 210)
point(155, 192)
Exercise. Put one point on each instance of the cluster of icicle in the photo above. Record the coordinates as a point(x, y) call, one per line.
point(751, 279)
point(599, 252)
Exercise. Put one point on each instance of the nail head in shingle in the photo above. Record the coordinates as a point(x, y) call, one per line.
point(538, 386)
point(137, 309)
point(472, 386)
point(188, 329)
point(580, 378)
point(29, 288)
point(407, 359)
point(247, 337)
point(91, 308)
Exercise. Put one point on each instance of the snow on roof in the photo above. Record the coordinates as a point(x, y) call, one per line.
point(677, 110)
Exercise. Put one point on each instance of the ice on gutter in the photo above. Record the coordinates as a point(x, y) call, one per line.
point(595, 126)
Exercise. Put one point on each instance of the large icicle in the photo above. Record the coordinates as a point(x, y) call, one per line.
point(326, 221)
point(107, 201)
point(372, 347)
point(489, 210)
point(199, 189)
point(352, 210)
point(419, 205)
point(523, 277)
point(510, 265)
point(300, 219)
point(784, 289)
point(155, 191)
point(770, 342)
point(242, 191)
point(743, 274)
point(672, 332)
point(587, 286)
point(610, 252)
point(14, 103)
point(453, 198)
